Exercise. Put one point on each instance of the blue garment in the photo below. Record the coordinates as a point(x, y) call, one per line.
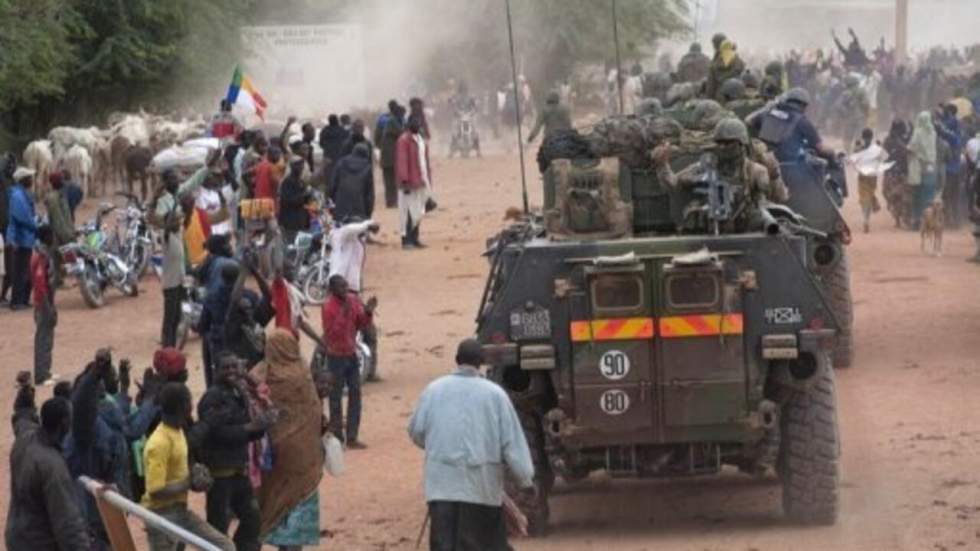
point(21, 226)
point(215, 309)
point(74, 195)
point(347, 373)
point(950, 131)
point(300, 526)
point(469, 431)
point(799, 133)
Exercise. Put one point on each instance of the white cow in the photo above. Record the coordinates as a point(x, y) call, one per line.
point(64, 137)
point(78, 162)
point(38, 156)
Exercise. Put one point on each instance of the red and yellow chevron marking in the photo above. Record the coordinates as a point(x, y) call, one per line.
point(704, 325)
point(617, 329)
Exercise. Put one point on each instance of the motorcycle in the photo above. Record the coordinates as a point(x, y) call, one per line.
point(133, 239)
point(191, 309)
point(465, 137)
point(367, 359)
point(94, 266)
point(309, 255)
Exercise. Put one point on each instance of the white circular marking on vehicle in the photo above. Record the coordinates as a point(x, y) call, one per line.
point(614, 402)
point(614, 365)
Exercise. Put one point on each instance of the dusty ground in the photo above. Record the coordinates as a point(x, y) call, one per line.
point(910, 439)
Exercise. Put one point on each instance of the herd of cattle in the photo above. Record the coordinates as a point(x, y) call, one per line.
point(121, 154)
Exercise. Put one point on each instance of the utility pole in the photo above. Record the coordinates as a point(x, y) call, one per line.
point(902, 29)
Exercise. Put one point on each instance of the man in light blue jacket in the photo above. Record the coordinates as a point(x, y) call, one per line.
point(469, 431)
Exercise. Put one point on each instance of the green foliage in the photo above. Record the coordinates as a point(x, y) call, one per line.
point(34, 61)
point(78, 59)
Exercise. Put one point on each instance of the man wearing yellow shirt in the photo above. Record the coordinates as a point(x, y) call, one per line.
point(197, 227)
point(168, 478)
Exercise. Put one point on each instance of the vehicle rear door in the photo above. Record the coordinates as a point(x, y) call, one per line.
point(701, 348)
point(612, 353)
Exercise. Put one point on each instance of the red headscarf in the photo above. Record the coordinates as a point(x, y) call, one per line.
point(169, 362)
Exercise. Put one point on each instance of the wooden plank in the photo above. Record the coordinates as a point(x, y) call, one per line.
point(116, 526)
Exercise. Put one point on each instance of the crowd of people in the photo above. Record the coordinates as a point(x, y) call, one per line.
point(228, 223)
point(254, 445)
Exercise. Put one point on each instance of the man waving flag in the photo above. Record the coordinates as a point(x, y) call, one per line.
point(241, 92)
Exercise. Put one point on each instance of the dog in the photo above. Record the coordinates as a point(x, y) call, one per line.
point(933, 221)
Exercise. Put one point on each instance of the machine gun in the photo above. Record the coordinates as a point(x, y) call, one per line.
point(719, 206)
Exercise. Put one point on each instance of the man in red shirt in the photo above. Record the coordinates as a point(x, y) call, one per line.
point(45, 314)
point(343, 316)
point(267, 176)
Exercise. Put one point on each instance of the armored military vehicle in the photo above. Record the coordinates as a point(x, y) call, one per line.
point(633, 343)
point(817, 190)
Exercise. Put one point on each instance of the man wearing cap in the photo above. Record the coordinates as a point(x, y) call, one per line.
point(469, 431)
point(165, 212)
point(20, 235)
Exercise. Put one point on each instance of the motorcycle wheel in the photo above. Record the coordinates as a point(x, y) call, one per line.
point(315, 285)
point(140, 260)
point(183, 331)
point(131, 286)
point(88, 284)
point(365, 362)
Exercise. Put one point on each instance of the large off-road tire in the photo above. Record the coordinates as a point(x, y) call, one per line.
point(535, 507)
point(809, 452)
point(837, 282)
point(91, 289)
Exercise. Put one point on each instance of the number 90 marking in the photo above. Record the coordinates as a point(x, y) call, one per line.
point(614, 365)
point(614, 402)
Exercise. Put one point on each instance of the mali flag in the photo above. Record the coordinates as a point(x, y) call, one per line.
point(241, 92)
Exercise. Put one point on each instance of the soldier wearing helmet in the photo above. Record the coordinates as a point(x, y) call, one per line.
point(735, 99)
point(554, 116)
point(772, 83)
point(786, 130)
point(732, 160)
point(693, 67)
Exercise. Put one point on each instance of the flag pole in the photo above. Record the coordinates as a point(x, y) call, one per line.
point(517, 107)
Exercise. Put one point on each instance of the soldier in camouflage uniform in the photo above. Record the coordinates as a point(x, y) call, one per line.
point(772, 83)
point(734, 99)
point(693, 67)
point(727, 64)
point(734, 165)
point(751, 82)
point(554, 116)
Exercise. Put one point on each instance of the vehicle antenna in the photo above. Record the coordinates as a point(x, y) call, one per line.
point(619, 67)
point(517, 108)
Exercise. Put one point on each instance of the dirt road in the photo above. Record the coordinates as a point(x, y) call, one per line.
point(910, 439)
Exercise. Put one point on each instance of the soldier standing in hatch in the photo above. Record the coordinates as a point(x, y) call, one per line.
point(554, 116)
point(734, 166)
point(726, 64)
point(693, 67)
